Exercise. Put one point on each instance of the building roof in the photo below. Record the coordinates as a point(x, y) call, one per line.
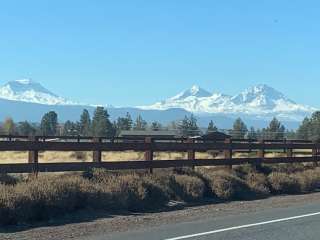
point(215, 136)
point(147, 133)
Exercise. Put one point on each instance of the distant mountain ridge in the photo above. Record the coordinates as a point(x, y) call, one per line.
point(28, 100)
point(261, 101)
point(26, 90)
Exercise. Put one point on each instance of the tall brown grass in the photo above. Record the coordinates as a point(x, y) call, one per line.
point(25, 200)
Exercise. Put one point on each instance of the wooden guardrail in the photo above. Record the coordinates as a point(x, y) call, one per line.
point(308, 150)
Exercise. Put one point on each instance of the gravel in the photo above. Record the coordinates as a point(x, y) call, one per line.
point(86, 223)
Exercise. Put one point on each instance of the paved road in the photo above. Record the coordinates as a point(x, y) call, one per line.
point(292, 223)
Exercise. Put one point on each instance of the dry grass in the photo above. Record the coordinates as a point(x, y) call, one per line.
point(226, 185)
point(188, 188)
point(13, 157)
point(52, 157)
point(24, 200)
point(284, 183)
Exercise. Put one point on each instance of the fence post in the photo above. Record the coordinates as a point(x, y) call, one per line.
point(315, 153)
point(261, 153)
point(289, 149)
point(228, 151)
point(148, 155)
point(33, 156)
point(191, 153)
point(97, 156)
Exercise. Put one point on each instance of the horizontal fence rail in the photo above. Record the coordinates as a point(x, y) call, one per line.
point(307, 151)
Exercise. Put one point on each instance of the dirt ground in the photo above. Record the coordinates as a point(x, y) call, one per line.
point(87, 223)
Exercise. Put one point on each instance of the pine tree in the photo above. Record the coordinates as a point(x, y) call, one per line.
point(49, 124)
point(140, 124)
point(259, 134)
point(310, 128)
point(26, 129)
point(71, 128)
point(252, 134)
point(124, 123)
point(85, 123)
point(211, 127)
point(290, 134)
point(101, 125)
point(315, 126)
point(156, 126)
point(304, 131)
point(188, 126)
point(9, 126)
point(275, 130)
point(129, 122)
point(239, 129)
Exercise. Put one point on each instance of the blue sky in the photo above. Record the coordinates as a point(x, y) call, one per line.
point(138, 52)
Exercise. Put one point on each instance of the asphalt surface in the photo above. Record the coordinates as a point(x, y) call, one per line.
point(293, 223)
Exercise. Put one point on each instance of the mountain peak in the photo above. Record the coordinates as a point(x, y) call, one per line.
point(260, 95)
point(194, 91)
point(24, 85)
point(263, 88)
point(27, 90)
point(260, 100)
point(25, 81)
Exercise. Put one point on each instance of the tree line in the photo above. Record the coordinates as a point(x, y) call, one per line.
point(100, 125)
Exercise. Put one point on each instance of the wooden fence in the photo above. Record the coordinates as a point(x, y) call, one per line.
point(306, 151)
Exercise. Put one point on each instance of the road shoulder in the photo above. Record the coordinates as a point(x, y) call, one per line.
point(82, 226)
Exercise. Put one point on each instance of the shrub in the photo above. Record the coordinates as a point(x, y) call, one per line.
point(243, 170)
point(6, 208)
point(8, 179)
point(283, 183)
point(128, 191)
point(288, 167)
point(258, 183)
point(34, 199)
point(227, 186)
point(134, 193)
point(308, 180)
point(41, 199)
point(188, 188)
point(96, 174)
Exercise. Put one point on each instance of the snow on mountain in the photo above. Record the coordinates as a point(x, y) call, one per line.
point(261, 101)
point(26, 90)
point(260, 96)
point(194, 91)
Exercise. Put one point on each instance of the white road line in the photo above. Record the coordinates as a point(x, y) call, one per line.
point(243, 226)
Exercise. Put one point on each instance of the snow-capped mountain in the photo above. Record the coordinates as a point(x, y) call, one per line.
point(26, 90)
point(261, 101)
point(28, 100)
point(194, 91)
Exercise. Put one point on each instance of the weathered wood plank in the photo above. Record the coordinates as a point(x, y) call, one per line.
point(121, 165)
